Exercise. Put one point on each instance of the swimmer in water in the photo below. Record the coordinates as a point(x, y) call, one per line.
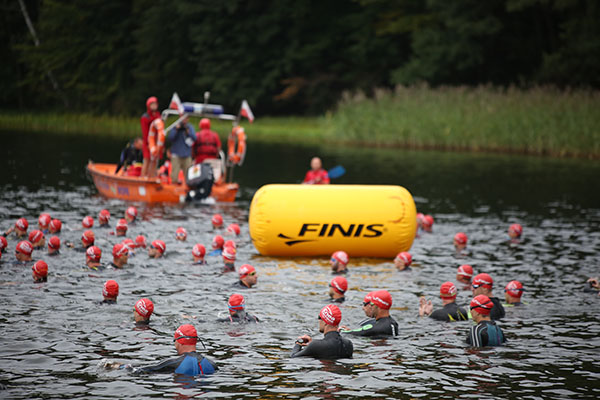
point(3, 244)
point(512, 293)
point(450, 310)
point(39, 271)
point(142, 310)
point(403, 261)
point(23, 251)
point(427, 223)
point(110, 292)
point(379, 309)
point(20, 229)
point(104, 218)
point(121, 228)
point(198, 252)
point(482, 284)
point(37, 239)
point(131, 214)
point(515, 231)
point(181, 234)
point(339, 262)
point(337, 289)
point(592, 285)
point(55, 226)
point(217, 245)
point(237, 310)
point(234, 229)
point(87, 222)
point(140, 241)
point(93, 255)
point(217, 221)
point(120, 254)
point(248, 277)
point(460, 241)
point(229, 256)
point(332, 346)
point(189, 362)
point(464, 274)
point(54, 246)
point(486, 332)
point(157, 249)
point(44, 221)
point(87, 240)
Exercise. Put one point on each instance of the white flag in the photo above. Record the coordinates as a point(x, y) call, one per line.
point(176, 103)
point(246, 111)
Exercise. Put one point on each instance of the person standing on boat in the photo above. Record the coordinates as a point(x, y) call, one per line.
point(317, 175)
point(150, 115)
point(208, 143)
point(182, 138)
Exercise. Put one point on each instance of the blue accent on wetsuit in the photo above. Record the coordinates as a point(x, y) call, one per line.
point(191, 366)
point(191, 363)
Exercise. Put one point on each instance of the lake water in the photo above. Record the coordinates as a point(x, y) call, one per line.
point(54, 335)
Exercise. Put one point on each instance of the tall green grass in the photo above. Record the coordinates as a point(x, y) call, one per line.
point(537, 121)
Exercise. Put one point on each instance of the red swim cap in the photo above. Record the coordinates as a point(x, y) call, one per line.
point(514, 289)
point(54, 243)
point(465, 270)
point(87, 222)
point(159, 245)
point(151, 100)
point(229, 253)
point(40, 268)
point(482, 304)
point(331, 315)
point(44, 220)
point(483, 280)
point(24, 247)
point(22, 224)
point(93, 253)
point(382, 299)
point(120, 250)
point(131, 212)
point(199, 250)
point(420, 218)
point(405, 257)
point(35, 236)
point(181, 233)
point(110, 289)
point(3, 243)
point(218, 242)
point(230, 243)
point(516, 230)
point(341, 257)
point(236, 302)
point(56, 225)
point(130, 244)
point(122, 225)
point(246, 270)
point(428, 221)
point(140, 241)
point(88, 237)
point(448, 290)
point(234, 228)
point(104, 216)
point(460, 238)
point(217, 220)
point(144, 307)
point(186, 335)
point(368, 297)
point(339, 284)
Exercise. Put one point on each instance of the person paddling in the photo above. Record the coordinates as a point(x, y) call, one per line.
point(317, 175)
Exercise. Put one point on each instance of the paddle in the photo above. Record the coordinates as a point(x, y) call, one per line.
point(336, 172)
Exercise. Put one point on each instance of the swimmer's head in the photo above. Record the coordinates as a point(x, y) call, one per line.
point(3, 243)
point(53, 245)
point(185, 338)
point(44, 220)
point(234, 229)
point(88, 238)
point(460, 241)
point(40, 271)
point(218, 242)
point(120, 254)
point(121, 227)
point(140, 241)
point(93, 254)
point(339, 261)
point(427, 223)
point(181, 234)
point(448, 291)
point(236, 303)
point(482, 284)
point(104, 217)
point(110, 290)
point(481, 306)
point(513, 292)
point(382, 299)
point(515, 231)
point(464, 273)
point(157, 249)
point(142, 310)
point(87, 222)
point(55, 226)
point(229, 254)
point(338, 287)
point(131, 214)
point(329, 315)
point(403, 260)
point(248, 275)
point(21, 225)
point(23, 251)
point(37, 238)
point(198, 252)
point(217, 221)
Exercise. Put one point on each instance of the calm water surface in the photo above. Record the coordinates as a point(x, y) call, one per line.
point(54, 335)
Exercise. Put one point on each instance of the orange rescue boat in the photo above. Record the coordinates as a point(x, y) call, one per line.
point(150, 190)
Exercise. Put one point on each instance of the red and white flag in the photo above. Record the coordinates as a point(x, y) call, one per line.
point(176, 103)
point(246, 111)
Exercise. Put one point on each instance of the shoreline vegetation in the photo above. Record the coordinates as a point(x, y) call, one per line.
point(538, 121)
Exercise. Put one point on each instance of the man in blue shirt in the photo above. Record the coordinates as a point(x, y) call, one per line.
point(182, 138)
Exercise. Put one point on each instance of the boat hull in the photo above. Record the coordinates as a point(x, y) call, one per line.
point(149, 190)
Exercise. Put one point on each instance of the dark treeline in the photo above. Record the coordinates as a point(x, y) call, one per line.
point(285, 56)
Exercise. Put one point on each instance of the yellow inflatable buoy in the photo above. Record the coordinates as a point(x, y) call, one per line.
point(311, 220)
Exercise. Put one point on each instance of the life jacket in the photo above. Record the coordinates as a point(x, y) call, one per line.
point(207, 145)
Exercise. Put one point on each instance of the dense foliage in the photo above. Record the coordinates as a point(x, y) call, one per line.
point(285, 57)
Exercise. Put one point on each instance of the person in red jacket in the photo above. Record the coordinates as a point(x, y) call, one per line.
point(317, 175)
point(207, 144)
point(150, 115)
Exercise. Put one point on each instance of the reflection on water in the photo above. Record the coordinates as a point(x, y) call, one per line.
point(55, 334)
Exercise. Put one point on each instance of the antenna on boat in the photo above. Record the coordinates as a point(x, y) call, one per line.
point(206, 97)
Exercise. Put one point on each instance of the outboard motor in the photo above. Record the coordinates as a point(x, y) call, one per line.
point(199, 178)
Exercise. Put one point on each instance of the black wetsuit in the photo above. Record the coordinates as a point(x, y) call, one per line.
point(497, 311)
point(485, 333)
point(56, 253)
point(339, 300)
point(588, 288)
point(406, 269)
point(385, 326)
point(241, 317)
point(240, 284)
point(129, 155)
point(332, 346)
point(107, 301)
point(191, 363)
point(450, 312)
point(342, 272)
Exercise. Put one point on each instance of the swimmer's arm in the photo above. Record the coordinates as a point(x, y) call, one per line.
point(365, 330)
point(302, 351)
point(165, 366)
